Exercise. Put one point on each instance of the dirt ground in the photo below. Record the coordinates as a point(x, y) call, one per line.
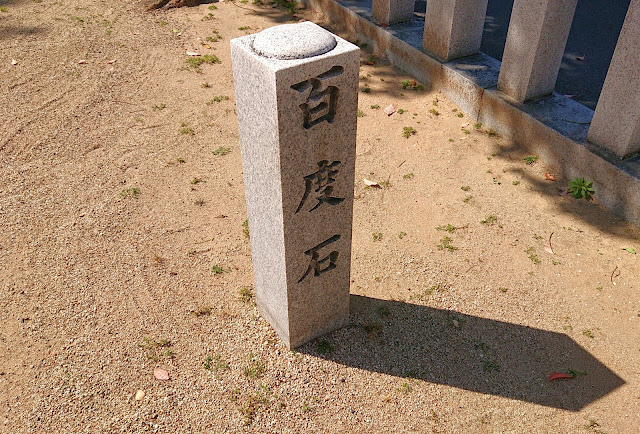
point(118, 200)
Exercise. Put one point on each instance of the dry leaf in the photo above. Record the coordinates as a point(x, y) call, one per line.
point(384, 25)
point(111, 62)
point(371, 184)
point(193, 54)
point(160, 374)
point(464, 125)
point(390, 109)
point(14, 62)
point(580, 58)
point(550, 177)
point(139, 395)
point(559, 375)
point(207, 46)
point(456, 323)
point(562, 192)
point(548, 250)
point(82, 62)
point(569, 96)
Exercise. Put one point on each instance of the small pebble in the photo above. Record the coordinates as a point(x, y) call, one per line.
point(139, 395)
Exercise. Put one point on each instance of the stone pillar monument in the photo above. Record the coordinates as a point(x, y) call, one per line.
point(296, 91)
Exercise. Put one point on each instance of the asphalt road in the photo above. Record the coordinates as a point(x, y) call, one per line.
point(594, 33)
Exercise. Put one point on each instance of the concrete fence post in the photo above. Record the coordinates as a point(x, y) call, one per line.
point(296, 92)
point(393, 11)
point(453, 28)
point(535, 44)
point(616, 121)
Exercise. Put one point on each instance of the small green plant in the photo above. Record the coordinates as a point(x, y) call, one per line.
point(159, 106)
point(187, 130)
point(491, 366)
point(531, 251)
point(405, 388)
point(530, 159)
point(218, 98)
point(205, 85)
point(588, 333)
point(449, 228)
point(579, 188)
point(383, 311)
point(411, 84)
point(244, 28)
point(408, 132)
point(195, 181)
point(374, 106)
point(489, 220)
point(407, 175)
point(434, 112)
point(466, 131)
point(460, 115)
point(196, 62)
point(360, 113)
point(516, 182)
point(477, 125)
point(377, 236)
point(428, 292)
point(324, 347)
point(467, 198)
point(255, 369)
point(246, 294)
point(401, 235)
point(400, 111)
point(245, 228)
point(366, 89)
point(503, 289)
point(216, 269)
point(445, 244)
point(214, 38)
point(130, 192)
point(250, 408)
point(199, 202)
point(156, 349)
point(491, 132)
point(465, 188)
point(3, 9)
point(180, 160)
point(221, 151)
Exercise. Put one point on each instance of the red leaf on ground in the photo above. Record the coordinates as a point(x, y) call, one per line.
point(558, 375)
point(383, 25)
point(160, 374)
point(550, 177)
point(390, 109)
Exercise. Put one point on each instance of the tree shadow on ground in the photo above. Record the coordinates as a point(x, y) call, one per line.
point(469, 352)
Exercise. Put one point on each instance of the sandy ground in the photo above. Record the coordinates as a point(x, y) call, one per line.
point(114, 209)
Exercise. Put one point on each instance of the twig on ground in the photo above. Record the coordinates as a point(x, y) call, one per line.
point(612, 276)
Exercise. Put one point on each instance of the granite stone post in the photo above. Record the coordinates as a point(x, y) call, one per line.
point(393, 11)
point(616, 121)
point(296, 92)
point(453, 28)
point(536, 40)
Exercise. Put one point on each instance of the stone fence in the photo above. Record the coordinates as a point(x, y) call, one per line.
point(516, 96)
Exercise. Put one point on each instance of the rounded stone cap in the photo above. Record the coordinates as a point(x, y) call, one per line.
point(294, 41)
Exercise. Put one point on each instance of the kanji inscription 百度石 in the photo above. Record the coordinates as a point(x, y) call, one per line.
point(316, 264)
point(319, 185)
point(321, 100)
